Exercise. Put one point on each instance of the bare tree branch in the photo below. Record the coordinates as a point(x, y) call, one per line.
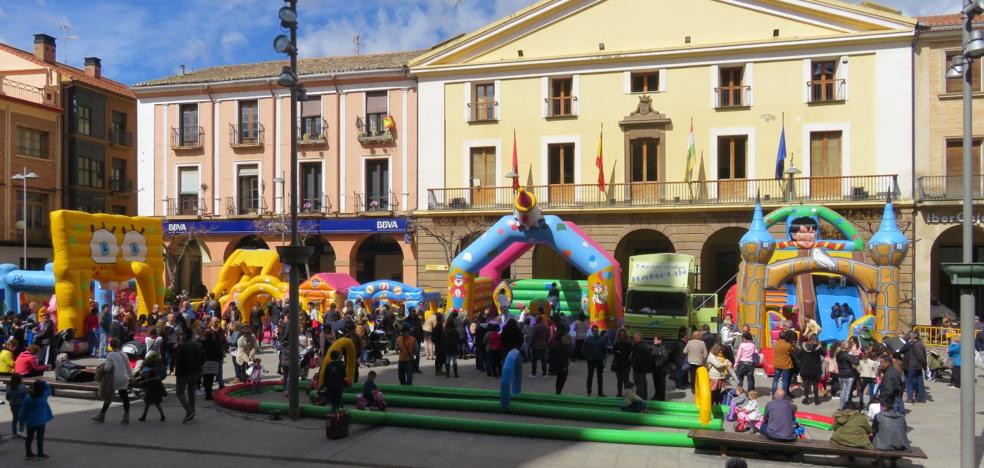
point(453, 233)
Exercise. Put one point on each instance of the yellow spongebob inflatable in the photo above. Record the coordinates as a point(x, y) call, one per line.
point(111, 249)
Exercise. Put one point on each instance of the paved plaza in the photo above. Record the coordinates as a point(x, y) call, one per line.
point(219, 437)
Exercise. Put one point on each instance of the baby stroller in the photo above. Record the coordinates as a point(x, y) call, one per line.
point(134, 351)
point(376, 349)
point(935, 365)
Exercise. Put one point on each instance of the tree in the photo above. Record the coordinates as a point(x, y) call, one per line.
point(279, 225)
point(453, 233)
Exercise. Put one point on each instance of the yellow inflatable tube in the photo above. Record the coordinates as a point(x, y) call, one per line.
point(702, 395)
point(348, 347)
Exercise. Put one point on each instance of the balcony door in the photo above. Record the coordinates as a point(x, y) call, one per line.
point(643, 172)
point(189, 183)
point(953, 185)
point(311, 192)
point(560, 173)
point(377, 184)
point(732, 159)
point(825, 165)
point(482, 177)
point(189, 125)
point(248, 182)
point(249, 122)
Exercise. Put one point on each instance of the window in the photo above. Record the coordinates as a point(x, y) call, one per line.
point(117, 181)
point(483, 106)
point(731, 157)
point(825, 163)
point(248, 180)
point(561, 97)
point(31, 142)
point(188, 186)
point(311, 193)
point(118, 209)
point(646, 82)
point(643, 161)
point(249, 121)
point(119, 135)
point(560, 164)
point(189, 125)
point(310, 128)
point(90, 172)
point(824, 85)
point(83, 121)
point(482, 176)
point(377, 184)
point(37, 212)
point(376, 109)
point(954, 158)
point(956, 85)
point(731, 89)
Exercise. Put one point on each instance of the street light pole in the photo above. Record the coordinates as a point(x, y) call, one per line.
point(967, 413)
point(23, 176)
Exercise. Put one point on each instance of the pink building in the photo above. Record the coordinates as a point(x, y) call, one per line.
point(214, 162)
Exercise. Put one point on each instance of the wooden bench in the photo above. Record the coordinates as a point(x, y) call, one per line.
point(757, 443)
point(58, 388)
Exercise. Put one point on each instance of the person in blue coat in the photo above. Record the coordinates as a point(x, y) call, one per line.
point(954, 352)
point(35, 414)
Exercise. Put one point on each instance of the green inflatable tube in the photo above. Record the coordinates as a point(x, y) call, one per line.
point(527, 409)
point(615, 436)
point(565, 296)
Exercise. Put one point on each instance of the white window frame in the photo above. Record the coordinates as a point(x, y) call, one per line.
point(319, 161)
point(841, 72)
point(545, 143)
point(545, 89)
point(712, 164)
point(470, 98)
point(177, 183)
point(806, 159)
point(235, 181)
point(627, 80)
point(466, 157)
point(389, 175)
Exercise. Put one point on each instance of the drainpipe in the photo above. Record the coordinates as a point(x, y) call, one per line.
point(338, 145)
point(279, 204)
point(215, 156)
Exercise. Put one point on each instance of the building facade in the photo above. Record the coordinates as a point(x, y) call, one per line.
point(565, 80)
point(215, 164)
point(939, 167)
point(71, 127)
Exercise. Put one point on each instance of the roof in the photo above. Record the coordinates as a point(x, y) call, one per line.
point(950, 22)
point(306, 66)
point(73, 73)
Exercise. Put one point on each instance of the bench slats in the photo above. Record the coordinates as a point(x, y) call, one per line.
point(812, 446)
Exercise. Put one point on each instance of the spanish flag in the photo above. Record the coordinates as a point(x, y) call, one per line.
point(600, 161)
point(691, 153)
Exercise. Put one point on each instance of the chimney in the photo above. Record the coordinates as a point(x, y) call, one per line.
point(44, 47)
point(181, 70)
point(93, 67)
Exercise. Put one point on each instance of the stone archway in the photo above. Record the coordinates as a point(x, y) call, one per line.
point(640, 242)
point(948, 248)
point(251, 241)
point(323, 260)
point(720, 259)
point(377, 257)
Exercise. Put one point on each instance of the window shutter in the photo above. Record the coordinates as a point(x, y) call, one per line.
point(545, 92)
point(715, 83)
point(576, 92)
point(662, 79)
point(750, 82)
point(250, 170)
point(311, 108)
point(807, 76)
point(189, 180)
point(627, 82)
point(498, 97)
point(376, 103)
point(469, 97)
point(841, 73)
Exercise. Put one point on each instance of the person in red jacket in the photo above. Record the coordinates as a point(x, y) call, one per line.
point(27, 363)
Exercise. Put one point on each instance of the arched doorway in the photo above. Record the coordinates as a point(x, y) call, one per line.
point(323, 259)
point(379, 257)
point(548, 264)
point(948, 248)
point(250, 242)
point(719, 260)
point(185, 259)
point(640, 242)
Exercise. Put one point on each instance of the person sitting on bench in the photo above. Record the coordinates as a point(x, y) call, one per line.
point(851, 428)
point(779, 422)
point(890, 430)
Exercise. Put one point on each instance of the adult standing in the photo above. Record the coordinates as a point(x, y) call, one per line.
point(435, 341)
point(810, 367)
point(405, 346)
point(560, 360)
point(91, 327)
point(580, 333)
point(745, 361)
point(246, 349)
point(782, 362)
point(954, 352)
point(621, 363)
point(115, 376)
point(189, 359)
point(416, 319)
point(847, 365)
point(541, 335)
point(256, 322)
point(451, 345)
point(914, 361)
point(641, 362)
point(105, 322)
point(171, 332)
point(661, 360)
point(696, 354)
point(719, 372)
point(595, 350)
point(890, 388)
point(212, 349)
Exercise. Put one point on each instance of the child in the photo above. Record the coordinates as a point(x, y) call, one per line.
point(735, 402)
point(16, 391)
point(371, 396)
point(35, 414)
point(633, 403)
point(874, 407)
point(334, 381)
point(154, 391)
point(256, 375)
point(748, 414)
point(868, 370)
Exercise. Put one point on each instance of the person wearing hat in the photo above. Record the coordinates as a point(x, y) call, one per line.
point(406, 345)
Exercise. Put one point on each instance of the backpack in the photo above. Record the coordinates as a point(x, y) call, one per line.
point(337, 425)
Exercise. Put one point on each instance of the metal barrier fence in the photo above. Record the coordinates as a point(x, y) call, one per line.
point(938, 336)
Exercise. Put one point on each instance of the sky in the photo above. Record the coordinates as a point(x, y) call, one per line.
point(140, 40)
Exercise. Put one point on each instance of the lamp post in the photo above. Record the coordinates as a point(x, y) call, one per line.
point(24, 175)
point(962, 67)
point(792, 172)
point(294, 255)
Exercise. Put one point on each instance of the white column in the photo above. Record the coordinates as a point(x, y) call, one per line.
point(404, 152)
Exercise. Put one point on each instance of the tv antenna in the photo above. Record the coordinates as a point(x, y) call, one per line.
point(358, 43)
point(66, 28)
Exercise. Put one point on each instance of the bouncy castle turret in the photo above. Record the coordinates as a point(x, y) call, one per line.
point(525, 209)
point(756, 247)
point(887, 248)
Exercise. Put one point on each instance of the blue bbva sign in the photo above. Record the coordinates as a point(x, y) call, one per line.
point(259, 226)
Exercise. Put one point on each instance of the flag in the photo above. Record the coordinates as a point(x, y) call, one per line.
point(600, 162)
point(515, 164)
point(781, 154)
point(691, 153)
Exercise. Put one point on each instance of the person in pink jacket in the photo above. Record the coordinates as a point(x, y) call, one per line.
point(27, 363)
point(745, 360)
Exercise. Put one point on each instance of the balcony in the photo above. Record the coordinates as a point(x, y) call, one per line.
point(737, 193)
point(732, 97)
point(188, 138)
point(376, 202)
point(948, 188)
point(561, 107)
point(821, 91)
point(314, 206)
point(245, 207)
point(246, 136)
point(311, 132)
point(374, 129)
point(120, 137)
point(186, 205)
point(483, 111)
point(24, 92)
point(120, 185)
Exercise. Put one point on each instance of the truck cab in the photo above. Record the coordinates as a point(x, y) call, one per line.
point(660, 297)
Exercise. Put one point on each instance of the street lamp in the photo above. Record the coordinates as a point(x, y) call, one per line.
point(24, 175)
point(295, 255)
point(791, 172)
point(962, 67)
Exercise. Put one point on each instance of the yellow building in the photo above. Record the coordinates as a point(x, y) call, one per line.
point(836, 76)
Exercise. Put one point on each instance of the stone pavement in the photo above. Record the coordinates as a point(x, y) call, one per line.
point(219, 437)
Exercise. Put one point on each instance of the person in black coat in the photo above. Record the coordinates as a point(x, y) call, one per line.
point(661, 360)
point(452, 346)
point(811, 356)
point(621, 364)
point(707, 337)
point(512, 337)
point(559, 355)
